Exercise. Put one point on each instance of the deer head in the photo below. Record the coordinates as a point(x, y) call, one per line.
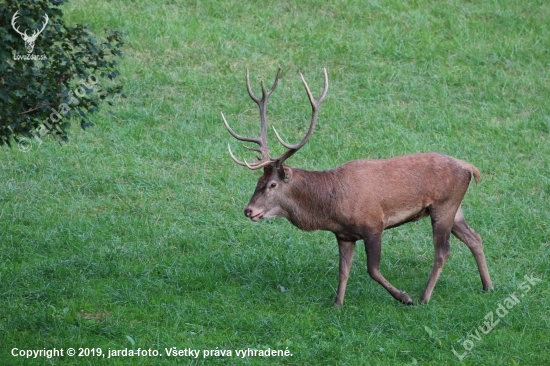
point(272, 188)
point(29, 40)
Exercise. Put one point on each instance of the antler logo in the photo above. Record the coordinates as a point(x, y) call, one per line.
point(29, 40)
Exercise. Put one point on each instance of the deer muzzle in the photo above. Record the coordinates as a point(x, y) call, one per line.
point(252, 214)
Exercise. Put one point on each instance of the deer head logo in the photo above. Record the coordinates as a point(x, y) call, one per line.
point(29, 40)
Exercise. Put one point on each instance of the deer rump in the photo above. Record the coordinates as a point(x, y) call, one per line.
point(362, 198)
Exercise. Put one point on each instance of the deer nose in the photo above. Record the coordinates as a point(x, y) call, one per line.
point(247, 212)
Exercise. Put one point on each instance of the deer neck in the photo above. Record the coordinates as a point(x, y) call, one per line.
point(313, 198)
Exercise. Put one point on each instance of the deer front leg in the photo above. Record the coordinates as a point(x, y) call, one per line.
point(373, 248)
point(346, 249)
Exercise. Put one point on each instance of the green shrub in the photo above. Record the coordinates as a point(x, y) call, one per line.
point(43, 88)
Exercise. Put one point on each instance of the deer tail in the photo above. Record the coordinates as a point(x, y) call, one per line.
point(473, 170)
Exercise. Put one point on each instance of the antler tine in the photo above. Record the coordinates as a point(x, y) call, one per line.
point(243, 163)
point(253, 166)
point(315, 103)
point(242, 138)
point(275, 82)
point(314, 111)
point(252, 148)
point(237, 136)
point(249, 88)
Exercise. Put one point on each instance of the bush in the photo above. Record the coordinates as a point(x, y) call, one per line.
point(43, 88)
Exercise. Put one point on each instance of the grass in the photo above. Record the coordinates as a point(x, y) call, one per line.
point(132, 234)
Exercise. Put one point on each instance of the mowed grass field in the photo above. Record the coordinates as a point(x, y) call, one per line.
point(132, 236)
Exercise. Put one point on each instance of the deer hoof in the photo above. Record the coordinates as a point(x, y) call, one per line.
point(405, 299)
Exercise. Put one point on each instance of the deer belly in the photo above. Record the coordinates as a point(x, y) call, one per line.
point(402, 217)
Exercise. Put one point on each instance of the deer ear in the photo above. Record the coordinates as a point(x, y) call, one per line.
point(286, 173)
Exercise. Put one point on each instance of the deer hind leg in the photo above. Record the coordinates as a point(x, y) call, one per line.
point(473, 241)
point(346, 249)
point(373, 248)
point(442, 223)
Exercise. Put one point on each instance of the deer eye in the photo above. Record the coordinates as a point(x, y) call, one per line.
point(273, 185)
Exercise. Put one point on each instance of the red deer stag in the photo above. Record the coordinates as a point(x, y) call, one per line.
point(362, 198)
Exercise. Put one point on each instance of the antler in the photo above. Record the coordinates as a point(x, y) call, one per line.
point(314, 112)
point(35, 34)
point(13, 20)
point(262, 140)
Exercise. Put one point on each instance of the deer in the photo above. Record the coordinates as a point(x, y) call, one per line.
point(360, 199)
point(29, 40)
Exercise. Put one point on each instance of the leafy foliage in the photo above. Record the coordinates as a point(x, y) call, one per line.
point(41, 91)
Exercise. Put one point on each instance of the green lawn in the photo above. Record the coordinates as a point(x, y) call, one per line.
point(131, 236)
